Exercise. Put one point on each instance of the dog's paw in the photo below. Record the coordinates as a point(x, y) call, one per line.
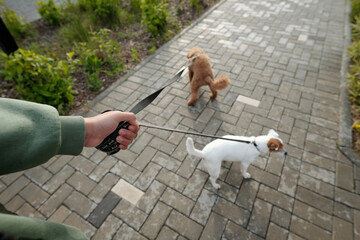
point(247, 175)
point(217, 186)
point(191, 102)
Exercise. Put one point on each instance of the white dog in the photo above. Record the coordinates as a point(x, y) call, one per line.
point(218, 150)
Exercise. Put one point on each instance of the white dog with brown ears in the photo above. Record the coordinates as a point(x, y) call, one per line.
point(245, 153)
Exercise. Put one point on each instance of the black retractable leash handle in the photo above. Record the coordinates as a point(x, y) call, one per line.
point(109, 144)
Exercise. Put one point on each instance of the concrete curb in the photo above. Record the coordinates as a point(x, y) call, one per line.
point(345, 127)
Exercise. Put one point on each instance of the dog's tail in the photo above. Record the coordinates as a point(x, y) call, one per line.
point(222, 82)
point(191, 149)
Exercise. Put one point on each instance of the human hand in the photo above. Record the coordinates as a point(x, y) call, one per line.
point(99, 127)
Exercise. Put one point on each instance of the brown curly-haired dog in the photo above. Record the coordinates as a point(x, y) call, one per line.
point(201, 74)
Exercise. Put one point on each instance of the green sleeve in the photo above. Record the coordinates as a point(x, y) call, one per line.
point(30, 228)
point(31, 133)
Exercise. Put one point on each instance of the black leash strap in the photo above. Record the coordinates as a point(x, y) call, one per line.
point(109, 144)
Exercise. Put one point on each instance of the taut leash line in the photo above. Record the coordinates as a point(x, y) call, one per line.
point(193, 133)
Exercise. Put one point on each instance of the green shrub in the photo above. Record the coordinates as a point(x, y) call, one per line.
point(94, 82)
point(49, 12)
point(196, 5)
point(355, 10)
point(154, 17)
point(76, 30)
point(40, 79)
point(18, 27)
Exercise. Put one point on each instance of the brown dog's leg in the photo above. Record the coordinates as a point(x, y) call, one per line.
point(213, 90)
point(194, 93)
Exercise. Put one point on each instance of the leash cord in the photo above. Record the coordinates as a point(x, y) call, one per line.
point(194, 133)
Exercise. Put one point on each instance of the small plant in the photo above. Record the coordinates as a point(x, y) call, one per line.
point(75, 31)
point(196, 5)
point(154, 17)
point(18, 27)
point(40, 79)
point(99, 53)
point(135, 55)
point(49, 12)
point(94, 82)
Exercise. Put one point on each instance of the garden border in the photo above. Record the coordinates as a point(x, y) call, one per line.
point(345, 127)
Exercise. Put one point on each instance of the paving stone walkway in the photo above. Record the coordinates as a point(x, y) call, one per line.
point(284, 55)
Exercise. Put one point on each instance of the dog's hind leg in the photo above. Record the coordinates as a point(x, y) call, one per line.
point(213, 90)
point(194, 93)
point(244, 167)
point(214, 172)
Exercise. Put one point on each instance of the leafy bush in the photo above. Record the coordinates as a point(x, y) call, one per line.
point(49, 12)
point(355, 10)
point(40, 79)
point(18, 27)
point(154, 17)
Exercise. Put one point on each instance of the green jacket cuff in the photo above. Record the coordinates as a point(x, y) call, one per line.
point(72, 135)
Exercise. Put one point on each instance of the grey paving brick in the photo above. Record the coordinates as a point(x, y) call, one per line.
point(316, 185)
point(58, 179)
point(102, 169)
point(276, 233)
point(203, 206)
point(155, 221)
point(195, 184)
point(15, 203)
point(344, 176)
point(147, 176)
point(234, 231)
point(79, 204)
point(125, 171)
point(171, 179)
point(214, 227)
point(307, 230)
point(260, 217)
point(13, 189)
point(133, 216)
point(167, 234)
point(247, 194)
point(108, 228)
point(315, 200)
point(81, 183)
point(151, 196)
point(280, 217)
point(348, 198)
point(82, 164)
point(313, 215)
point(55, 200)
point(232, 211)
point(276, 198)
point(75, 220)
point(177, 201)
point(102, 211)
point(38, 175)
point(104, 186)
point(181, 224)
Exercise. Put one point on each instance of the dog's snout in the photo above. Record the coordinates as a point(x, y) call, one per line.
point(285, 153)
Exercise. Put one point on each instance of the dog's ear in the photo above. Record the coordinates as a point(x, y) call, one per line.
point(273, 133)
point(273, 145)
